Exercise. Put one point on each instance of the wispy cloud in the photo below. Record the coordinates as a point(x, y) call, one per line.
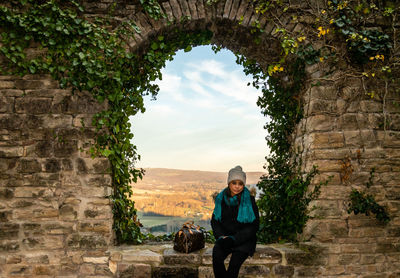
point(205, 118)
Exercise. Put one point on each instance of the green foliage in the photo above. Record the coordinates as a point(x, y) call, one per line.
point(361, 202)
point(363, 42)
point(209, 236)
point(85, 55)
point(285, 196)
point(152, 8)
point(159, 238)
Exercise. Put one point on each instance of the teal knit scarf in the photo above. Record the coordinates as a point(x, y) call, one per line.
point(245, 214)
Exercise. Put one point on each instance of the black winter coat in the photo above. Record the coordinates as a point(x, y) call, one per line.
point(244, 233)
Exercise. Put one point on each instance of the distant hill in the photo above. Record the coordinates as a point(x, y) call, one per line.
point(180, 193)
point(162, 176)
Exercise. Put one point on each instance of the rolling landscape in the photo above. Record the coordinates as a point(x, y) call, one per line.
point(166, 198)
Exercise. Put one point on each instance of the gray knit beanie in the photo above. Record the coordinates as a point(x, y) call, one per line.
point(237, 174)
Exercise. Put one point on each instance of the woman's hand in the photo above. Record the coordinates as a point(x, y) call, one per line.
point(226, 242)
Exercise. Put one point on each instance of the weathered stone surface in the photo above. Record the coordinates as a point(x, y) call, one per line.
point(31, 105)
point(265, 255)
point(11, 151)
point(142, 256)
point(55, 221)
point(95, 260)
point(137, 271)
point(171, 257)
point(9, 231)
point(29, 166)
point(283, 270)
point(174, 271)
point(327, 140)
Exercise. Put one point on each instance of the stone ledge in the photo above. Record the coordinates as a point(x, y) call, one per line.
point(159, 259)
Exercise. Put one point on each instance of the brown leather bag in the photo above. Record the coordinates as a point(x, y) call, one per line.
point(189, 238)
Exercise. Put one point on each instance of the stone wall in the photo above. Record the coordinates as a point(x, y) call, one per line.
point(56, 222)
point(54, 217)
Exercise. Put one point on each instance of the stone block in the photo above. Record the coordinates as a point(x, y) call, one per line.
point(11, 121)
point(103, 270)
point(283, 270)
point(5, 216)
point(265, 255)
point(13, 259)
point(319, 106)
point(44, 270)
point(141, 256)
point(35, 84)
point(309, 271)
point(335, 270)
point(48, 242)
point(84, 120)
point(320, 123)
point(56, 121)
point(371, 106)
point(328, 165)
point(28, 105)
point(52, 165)
point(102, 166)
point(174, 271)
point(9, 245)
point(324, 92)
point(137, 271)
point(326, 232)
point(256, 270)
point(29, 192)
point(11, 151)
point(90, 191)
point(353, 138)
point(326, 209)
point(68, 213)
point(86, 241)
point(103, 227)
point(206, 272)
point(176, 9)
point(6, 193)
point(327, 140)
point(171, 257)
point(346, 259)
point(65, 148)
point(42, 148)
point(95, 260)
point(352, 121)
point(29, 166)
point(37, 258)
point(308, 255)
point(87, 269)
point(113, 266)
point(9, 231)
point(98, 212)
point(22, 270)
point(334, 192)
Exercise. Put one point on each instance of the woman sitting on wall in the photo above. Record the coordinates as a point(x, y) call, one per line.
point(235, 222)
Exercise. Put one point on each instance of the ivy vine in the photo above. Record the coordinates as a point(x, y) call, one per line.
point(87, 56)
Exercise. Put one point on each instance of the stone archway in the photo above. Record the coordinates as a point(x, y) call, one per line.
point(55, 220)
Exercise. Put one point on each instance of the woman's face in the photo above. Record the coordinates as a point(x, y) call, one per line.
point(236, 186)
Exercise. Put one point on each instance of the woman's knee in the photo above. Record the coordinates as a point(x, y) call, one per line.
point(219, 253)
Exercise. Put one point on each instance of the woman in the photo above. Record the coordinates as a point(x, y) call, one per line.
point(234, 222)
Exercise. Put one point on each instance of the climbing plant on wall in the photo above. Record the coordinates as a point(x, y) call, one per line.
point(359, 37)
point(85, 55)
point(90, 55)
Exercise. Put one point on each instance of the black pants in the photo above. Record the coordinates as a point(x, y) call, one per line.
point(220, 254)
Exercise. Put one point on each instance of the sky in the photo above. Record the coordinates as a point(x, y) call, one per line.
point(205, 116)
